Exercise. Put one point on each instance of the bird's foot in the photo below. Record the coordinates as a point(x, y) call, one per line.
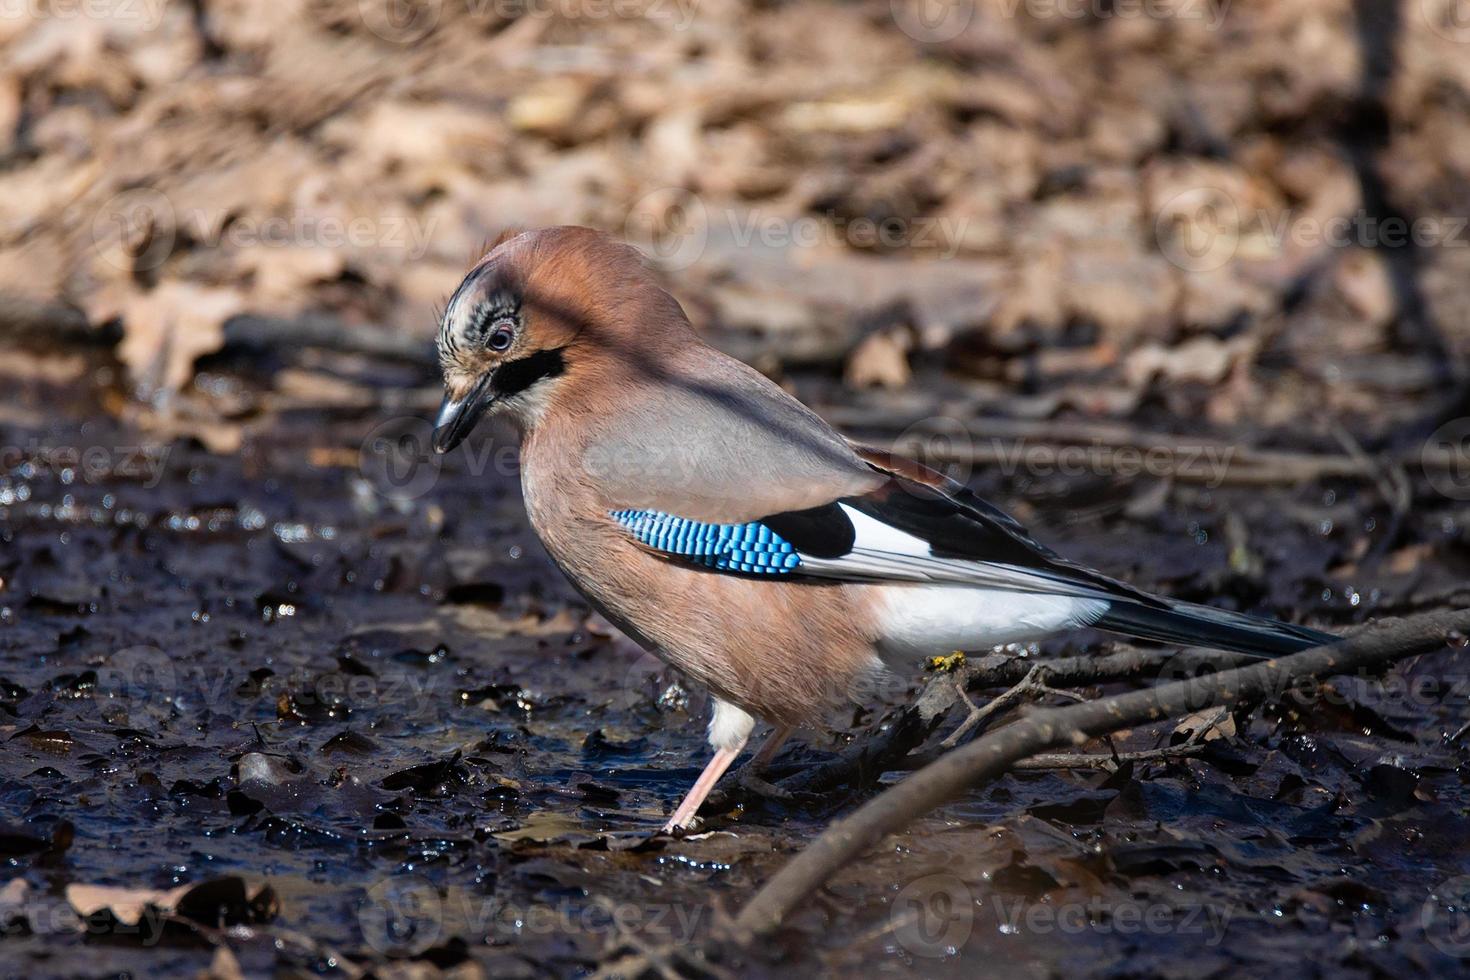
point(752, 783)
point(678, 824)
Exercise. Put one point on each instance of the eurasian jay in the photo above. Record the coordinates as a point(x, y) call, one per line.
point(726, 528)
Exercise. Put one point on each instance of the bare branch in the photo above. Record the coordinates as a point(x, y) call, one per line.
point(995, 754)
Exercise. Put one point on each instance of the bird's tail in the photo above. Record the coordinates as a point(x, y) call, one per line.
point(1206, 626)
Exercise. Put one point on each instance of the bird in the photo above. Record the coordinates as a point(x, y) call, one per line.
point(726, 528)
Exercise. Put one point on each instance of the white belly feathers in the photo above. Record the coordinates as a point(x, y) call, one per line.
point(918, 621)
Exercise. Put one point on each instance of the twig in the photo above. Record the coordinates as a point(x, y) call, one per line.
point(252, 332)
point(647, 956)
point(867, 759)
point(1032, 683)
point(1391, 480)
point(33, 320)
point(994, 754)
point(1049, 761)
point(1190, 459)
point(1110, 761)
point(888, 749)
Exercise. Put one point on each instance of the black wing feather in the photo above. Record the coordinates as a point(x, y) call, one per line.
point(958, 524)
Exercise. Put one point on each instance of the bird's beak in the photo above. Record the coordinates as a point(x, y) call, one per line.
point(457, 417)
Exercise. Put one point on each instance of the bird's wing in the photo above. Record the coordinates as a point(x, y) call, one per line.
point(912, 526)
point(917, 526)
point(717, 442)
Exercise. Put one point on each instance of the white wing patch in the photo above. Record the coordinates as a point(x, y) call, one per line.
point(872, 535)
point(919, 621)
point(930, 605)
point(883, 553)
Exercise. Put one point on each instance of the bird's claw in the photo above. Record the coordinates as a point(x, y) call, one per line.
point(760, 787)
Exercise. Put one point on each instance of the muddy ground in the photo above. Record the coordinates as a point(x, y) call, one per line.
point(1182, 285)
point(369, 689)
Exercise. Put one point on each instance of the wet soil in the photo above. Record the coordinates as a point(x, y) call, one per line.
point(313, 664)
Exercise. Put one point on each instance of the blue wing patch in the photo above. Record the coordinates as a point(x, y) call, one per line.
point(750, 548)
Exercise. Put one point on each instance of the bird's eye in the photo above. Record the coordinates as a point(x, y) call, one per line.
point(500, 338)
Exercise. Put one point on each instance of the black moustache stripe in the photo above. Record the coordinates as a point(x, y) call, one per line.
point(514, 377)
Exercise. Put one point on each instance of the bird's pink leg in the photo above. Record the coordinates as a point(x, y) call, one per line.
point(683, 817)
point(768, 750)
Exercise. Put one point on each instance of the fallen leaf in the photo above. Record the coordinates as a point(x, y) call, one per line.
point(224, 966)
point(1202, 359)
point(13, 901)
point(1213, 723)
point(127, 905)
point(881, 360)
point(215, 902)
point(167, 329)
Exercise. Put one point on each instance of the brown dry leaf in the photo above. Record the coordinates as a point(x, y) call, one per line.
point(1203, 359)
point(167, 329)
point(1409, 559)
point(13, 900)
point(10, 107)
point(52, 367)
point(297, 387)
point(404, 132)
point(880, 360)
point(1363, 280)
point(1124, 294)
point(127, 905)
point(1212, 722)
point(550, 107)
point(211, 902)
point(545, 826)
point(1032, 294)
point(224, 966)
point(283, 273)
point(851, 115)
point(768, 311)
point(189, 414)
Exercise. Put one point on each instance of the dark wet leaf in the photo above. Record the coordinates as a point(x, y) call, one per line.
point(488, 594)
point(1162, 858)
point(413, 657)
point(430, 779)
point(349, 664)
point(21, 840)
point(598, 747)
point(349, 743)
point(215, 903)
point(50, 739)
point(1391, 785)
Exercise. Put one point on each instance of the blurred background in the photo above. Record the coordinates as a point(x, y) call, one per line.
point(1184, 283)
point(1045, 205)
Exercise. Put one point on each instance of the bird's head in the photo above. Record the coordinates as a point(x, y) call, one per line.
point(537, 308)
